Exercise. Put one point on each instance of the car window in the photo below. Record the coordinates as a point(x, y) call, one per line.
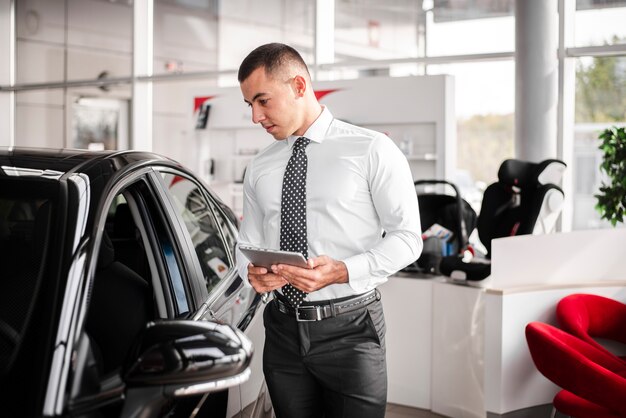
point(139, 277)
point(28, 214)
point(195, 210)
point(227, 220)
point(122, 297)
point(166, 249)
point(24, 226)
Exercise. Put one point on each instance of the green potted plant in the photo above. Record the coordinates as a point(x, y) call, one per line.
point(612, 197)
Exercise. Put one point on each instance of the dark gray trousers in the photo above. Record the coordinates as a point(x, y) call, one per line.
point(334, 368)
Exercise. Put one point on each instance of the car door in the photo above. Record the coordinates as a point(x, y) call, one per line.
point(129, 302)
point(212, 235)
point(212, 238)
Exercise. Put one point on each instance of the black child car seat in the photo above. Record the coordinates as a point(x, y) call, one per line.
point(525, 200)
point(448, 210)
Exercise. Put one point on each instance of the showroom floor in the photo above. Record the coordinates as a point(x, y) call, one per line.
point(399, 411)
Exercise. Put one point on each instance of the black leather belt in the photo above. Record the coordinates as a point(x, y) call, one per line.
point(317, 311)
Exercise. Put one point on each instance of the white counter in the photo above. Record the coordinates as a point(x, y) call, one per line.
point(407, 304)
point(472, 358)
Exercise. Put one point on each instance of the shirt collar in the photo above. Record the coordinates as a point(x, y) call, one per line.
point(317, 130)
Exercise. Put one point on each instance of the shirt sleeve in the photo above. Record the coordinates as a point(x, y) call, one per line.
point(251, 228)
point(395, 201)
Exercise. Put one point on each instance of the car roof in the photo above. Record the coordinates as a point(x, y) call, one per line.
point(66, 160)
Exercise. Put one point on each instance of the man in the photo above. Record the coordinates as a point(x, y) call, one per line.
point(327, 189)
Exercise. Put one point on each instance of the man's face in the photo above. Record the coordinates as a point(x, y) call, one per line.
point(273, 102)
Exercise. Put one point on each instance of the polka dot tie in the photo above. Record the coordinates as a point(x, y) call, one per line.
point(293, 212)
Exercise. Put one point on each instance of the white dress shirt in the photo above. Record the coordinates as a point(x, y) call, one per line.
point(358, 185)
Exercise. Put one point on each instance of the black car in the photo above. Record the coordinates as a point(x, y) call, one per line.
point(119, 294)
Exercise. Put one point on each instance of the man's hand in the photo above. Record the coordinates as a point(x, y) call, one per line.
point(264, 281)
point(322, 271)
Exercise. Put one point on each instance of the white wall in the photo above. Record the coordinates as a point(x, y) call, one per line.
point(415, 110)
point(99, 39)
point(173, 133)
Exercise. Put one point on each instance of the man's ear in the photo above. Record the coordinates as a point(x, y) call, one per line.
point(299, 85)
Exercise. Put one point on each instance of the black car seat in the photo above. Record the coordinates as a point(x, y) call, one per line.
point(524, 200)
point(126, 240)
point(447, 210)
point(120, 306)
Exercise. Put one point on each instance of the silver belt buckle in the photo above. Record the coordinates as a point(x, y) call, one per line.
point(316, 310)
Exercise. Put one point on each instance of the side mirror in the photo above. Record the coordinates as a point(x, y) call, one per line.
point(183, 357)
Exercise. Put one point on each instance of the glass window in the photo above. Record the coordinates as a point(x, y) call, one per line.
point(601, 89)
point(98, 119)
point(27, 211)
point(467, 27)
point(587, 177)
point(167, 251)
point(485, 103)
point(100, 123)
point(600, 103)
point(121, 301)
point(227, 221)
point(203, 229)
point(128, 247)
point(369, 29)
point(599, 22)
point(176, 277)
point(65, 40)
point(451, 11)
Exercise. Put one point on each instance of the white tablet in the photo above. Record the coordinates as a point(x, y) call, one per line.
point(265, 257)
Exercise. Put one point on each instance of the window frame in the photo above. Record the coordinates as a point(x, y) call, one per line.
point(219, 296)
point(137, 185)
point(213, 206)
point(206, 211)
point(195, 276)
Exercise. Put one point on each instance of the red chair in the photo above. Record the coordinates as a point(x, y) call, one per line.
point(574, 406)
point(592, 316)
point(596, 379)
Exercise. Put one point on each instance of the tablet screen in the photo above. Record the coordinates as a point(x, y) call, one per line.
point(265, 257)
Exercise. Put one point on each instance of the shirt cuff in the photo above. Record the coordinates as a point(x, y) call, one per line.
point(358, 272)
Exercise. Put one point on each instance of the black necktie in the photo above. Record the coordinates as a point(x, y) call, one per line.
point(293, 212)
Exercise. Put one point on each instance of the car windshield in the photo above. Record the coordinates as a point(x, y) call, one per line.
point(27, 214)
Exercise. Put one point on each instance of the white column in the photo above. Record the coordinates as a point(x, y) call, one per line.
point(565, 111)
point(141, 119)
point(324, 33)
point(7, 72)
point(536, 79)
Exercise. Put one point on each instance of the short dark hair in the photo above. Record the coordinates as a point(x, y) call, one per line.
point(270, 56)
